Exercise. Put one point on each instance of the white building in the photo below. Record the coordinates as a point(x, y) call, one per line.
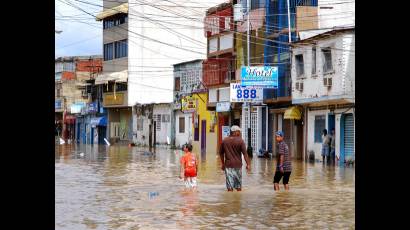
point(152, 119)
point(141, 43)
point(188, 80)
point(323, 83)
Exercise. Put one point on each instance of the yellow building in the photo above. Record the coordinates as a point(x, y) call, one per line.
point(205, 128)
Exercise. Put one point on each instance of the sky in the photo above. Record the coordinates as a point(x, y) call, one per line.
point(81, 34)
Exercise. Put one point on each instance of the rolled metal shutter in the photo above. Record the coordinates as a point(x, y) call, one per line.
point(349, 136)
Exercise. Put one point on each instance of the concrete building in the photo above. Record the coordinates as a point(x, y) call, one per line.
point(70, 95)
point(153, 124)
point(187, 81)
point(219, 67)
point(323, 84)
point(139, 52)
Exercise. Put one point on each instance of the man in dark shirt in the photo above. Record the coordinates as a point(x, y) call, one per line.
point(231, 150)
point(284, 165)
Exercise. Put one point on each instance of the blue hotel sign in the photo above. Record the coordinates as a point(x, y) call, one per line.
point(266, 76)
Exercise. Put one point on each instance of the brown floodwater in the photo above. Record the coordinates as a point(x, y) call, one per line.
point(118, 187)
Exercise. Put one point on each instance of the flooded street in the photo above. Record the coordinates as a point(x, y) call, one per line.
point(117, 187)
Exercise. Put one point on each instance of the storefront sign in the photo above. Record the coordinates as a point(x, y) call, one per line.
point(76, 107)
point(111, 99)
point(188, 104)
point(223, 106)
point(226, 131)
point(58, 104)
point(92, 107)
point(259, 76)
point(245, 94)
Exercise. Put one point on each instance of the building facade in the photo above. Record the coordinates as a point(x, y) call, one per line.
point(139, 52)
point(323, 76)
point(72, 93)
point(188, 80)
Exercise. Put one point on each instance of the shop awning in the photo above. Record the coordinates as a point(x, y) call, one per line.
point(69, 119)
point(121, 76)
point(98, 121)
point(293, 113)
point(123, 8)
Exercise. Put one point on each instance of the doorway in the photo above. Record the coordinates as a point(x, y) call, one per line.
point(203, 137)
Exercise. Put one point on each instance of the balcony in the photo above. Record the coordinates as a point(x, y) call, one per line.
point(117, 99)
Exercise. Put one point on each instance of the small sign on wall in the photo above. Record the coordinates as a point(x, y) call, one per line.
point(225, 131)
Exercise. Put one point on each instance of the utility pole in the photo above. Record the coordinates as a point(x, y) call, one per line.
point(248, 10)
point(289, 32)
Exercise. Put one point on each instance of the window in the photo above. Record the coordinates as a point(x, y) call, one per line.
point(115, 20)
point(120, 87)
point(140, 126)
point(121, 48)
point(299, 65)
point(181, 124)
point(256, 4)
point(213, 45)
point(177, 84)
point(313, 60)
point(166, 117)
point(158, 120)
point(320, 124)
point(327, 60)
point(228, 23)
point(108, 51)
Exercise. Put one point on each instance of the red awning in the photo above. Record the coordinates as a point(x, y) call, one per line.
point(69, 119)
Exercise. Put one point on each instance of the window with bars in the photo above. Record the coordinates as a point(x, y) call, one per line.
point(300, 68)
point(327, 60)
point(157, 118)
point(313, 60)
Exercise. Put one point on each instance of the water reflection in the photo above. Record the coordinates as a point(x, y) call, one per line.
point(109, 187)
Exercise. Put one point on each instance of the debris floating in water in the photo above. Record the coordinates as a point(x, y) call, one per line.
point(106, 141)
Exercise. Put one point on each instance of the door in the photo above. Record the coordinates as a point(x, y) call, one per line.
point(203, 137)
point(92, 136)
point(101, 134)
point(78, 132)
point(287, 134)
point(299, 140)
point(349, 137)
point(330, 123)
point(223, 120)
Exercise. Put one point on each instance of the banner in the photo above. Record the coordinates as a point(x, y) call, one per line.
point(240, 93)
point(259, 76)
point(188, 104)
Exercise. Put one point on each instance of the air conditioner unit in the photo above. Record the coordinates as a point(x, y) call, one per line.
point(299, 86)
point(327, 82)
